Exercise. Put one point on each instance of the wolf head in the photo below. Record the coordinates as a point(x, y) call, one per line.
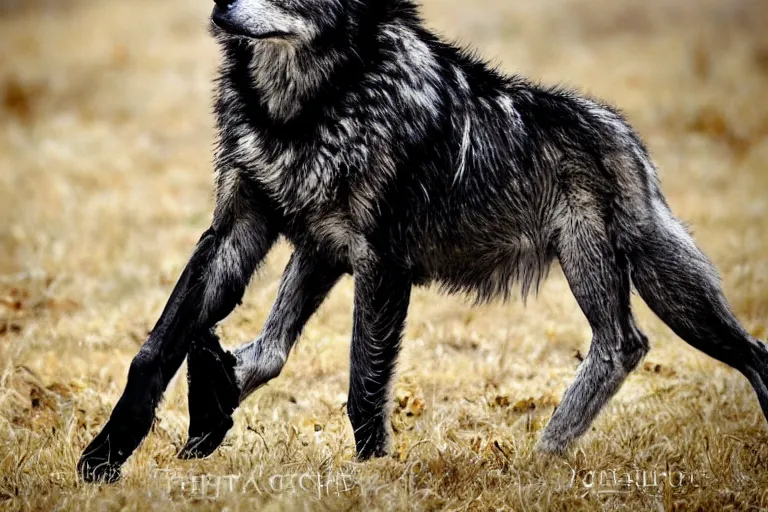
point(287, 22)
point(292, 50)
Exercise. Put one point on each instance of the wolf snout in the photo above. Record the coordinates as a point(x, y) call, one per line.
point(224, 4)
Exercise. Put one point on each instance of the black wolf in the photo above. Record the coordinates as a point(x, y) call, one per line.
point(381, 151)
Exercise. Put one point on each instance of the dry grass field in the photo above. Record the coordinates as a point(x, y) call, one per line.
point(105, 186)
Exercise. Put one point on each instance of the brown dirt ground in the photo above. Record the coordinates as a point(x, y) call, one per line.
point(105, 185)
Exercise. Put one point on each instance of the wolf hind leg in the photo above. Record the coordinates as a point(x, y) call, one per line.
point(599, 279)
point(682, 287)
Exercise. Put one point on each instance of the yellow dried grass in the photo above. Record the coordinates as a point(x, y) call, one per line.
point(105, 138)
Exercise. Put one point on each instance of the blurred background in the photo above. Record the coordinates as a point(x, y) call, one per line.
point(106, 135)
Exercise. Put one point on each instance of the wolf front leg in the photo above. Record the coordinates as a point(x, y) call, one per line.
point(306, 282)
point(382, 294)
point(213, 395)
point(210, 287)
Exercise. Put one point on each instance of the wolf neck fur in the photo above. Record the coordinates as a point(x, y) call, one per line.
point(286, 77)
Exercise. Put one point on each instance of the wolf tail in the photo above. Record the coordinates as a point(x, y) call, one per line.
point(682, 287)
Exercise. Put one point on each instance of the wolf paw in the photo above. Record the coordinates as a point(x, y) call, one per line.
point(551, 445)
point(213, 397)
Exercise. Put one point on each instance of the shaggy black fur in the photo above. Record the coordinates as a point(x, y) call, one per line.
point(379, 150)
